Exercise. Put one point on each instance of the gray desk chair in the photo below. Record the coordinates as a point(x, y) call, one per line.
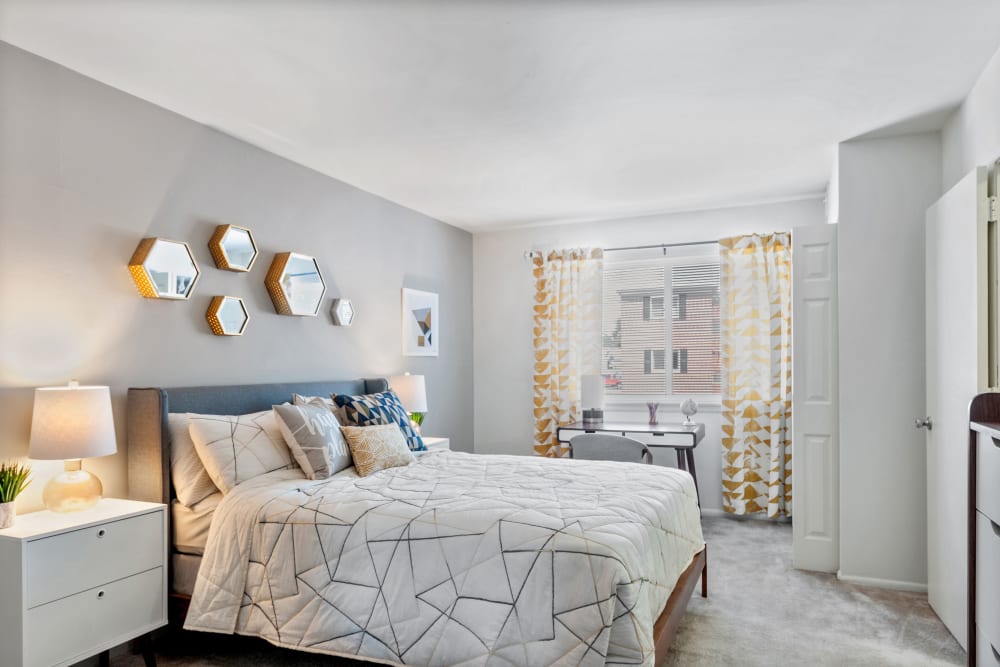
point(609, 447)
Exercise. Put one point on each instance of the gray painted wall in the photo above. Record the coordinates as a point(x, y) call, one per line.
point(86, 171)
point(971, 137)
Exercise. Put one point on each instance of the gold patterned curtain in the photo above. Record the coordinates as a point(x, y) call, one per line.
point(567, 337)
point(756, 343)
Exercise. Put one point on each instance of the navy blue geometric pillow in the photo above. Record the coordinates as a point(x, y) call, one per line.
point(382, 408)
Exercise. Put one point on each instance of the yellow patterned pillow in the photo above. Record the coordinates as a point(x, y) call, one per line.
point(375, 448)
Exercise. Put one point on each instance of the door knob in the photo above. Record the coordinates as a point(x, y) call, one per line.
point(923, 423)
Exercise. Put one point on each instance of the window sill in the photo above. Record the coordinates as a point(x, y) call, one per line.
point(667, 404)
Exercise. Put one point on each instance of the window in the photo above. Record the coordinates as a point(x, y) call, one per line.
point(652, 308)
point(680, 361)
point(679, 306)
point(652, 360)
point(637, 335)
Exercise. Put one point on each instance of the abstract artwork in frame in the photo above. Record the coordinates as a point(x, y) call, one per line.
point(421, 323)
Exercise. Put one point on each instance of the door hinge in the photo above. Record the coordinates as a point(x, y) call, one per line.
point(993, 209)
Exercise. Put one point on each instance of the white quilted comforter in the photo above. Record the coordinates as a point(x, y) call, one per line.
point(457, 559)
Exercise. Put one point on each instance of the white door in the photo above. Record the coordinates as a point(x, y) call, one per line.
point(815, 450)
point(956, 293)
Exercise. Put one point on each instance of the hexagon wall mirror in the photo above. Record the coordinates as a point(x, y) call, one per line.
point(233, 248)
point(163, 269)
point(227, 316)
point(295, 284)
point(343, 312)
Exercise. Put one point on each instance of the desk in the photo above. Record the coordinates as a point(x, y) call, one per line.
point(686, 438)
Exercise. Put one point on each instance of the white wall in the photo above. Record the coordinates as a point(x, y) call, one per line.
point(885, 186)
point(502, 298)
point(971, 136)
point(86, 171)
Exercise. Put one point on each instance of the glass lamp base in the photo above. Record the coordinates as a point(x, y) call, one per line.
point(72, 490)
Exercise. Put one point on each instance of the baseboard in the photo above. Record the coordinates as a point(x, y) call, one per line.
point(706, 511)
point(893, 584)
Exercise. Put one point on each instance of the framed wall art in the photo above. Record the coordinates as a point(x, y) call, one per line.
point(421, 323)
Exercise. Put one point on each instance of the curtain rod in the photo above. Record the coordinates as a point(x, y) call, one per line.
point(528, 254)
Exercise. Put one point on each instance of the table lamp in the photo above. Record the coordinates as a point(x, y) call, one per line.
point(412, 392)
point(69, 424)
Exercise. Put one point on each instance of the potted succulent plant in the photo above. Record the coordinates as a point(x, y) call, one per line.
point(14, 478)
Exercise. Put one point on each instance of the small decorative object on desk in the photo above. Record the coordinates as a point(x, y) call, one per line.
point(653, 407)
point(14, 477)
point(689, 409)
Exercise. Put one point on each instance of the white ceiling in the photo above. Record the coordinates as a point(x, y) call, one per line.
point(487, 114)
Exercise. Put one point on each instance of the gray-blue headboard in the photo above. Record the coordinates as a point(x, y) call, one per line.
point(149, 438)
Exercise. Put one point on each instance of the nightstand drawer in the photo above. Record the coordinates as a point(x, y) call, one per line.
point(988, 578)
point(71, 562)
point(987, 474)
point(70, 627)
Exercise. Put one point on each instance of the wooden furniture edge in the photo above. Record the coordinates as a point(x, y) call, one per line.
point(665, 627)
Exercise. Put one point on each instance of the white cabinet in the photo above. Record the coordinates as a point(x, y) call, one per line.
point(76, 584)
point(985, 546)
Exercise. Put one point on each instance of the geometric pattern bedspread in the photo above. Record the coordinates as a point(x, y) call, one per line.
point(457, 559)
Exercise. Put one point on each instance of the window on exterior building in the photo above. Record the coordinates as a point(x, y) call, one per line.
point(678, 306)
point(652, 361)
point(652, 308)
point(637, 335)
point(680, 361)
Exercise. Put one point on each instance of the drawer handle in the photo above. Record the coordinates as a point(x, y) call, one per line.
point(102, 532)
point(996, 441)
point(995, 527)
point(100, 595)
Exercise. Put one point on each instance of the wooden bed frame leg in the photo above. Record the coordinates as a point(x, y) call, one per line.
point(704, 576)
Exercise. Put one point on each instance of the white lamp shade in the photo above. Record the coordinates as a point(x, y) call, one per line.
point(72, 423)
point(592, 392)
point(412, 391)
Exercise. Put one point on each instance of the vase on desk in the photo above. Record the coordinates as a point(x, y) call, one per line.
point(653, 407)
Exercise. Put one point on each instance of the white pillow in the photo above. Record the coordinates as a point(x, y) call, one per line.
point(191, 481)
point(235, 449)
point(313, 435)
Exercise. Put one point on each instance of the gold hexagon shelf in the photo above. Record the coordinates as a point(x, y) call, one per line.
point(295, 284)
point(227, 316)
point(233, 248)
point(163, 269)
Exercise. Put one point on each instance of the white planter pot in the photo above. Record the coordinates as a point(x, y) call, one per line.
point(7, 515)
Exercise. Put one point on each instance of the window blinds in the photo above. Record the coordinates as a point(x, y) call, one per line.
point(638, 329)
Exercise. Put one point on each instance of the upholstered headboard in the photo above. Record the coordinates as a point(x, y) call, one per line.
point(149, 437)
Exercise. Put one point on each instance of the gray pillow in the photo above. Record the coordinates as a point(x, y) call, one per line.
point(313, 435)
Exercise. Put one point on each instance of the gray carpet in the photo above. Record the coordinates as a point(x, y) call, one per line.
point(759, 612)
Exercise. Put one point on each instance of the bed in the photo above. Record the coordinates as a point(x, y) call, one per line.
point(455, 558)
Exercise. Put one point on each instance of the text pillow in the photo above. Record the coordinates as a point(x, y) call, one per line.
point(376, 448)
point(382, 408)
point(192, 483)
point(313, 435)
point(235, 449)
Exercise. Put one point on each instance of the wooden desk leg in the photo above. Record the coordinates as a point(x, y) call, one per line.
point(680, 459)
point(694, 474)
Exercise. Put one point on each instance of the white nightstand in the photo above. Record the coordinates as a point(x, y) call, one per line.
point(74, 585)
point(436, 443)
